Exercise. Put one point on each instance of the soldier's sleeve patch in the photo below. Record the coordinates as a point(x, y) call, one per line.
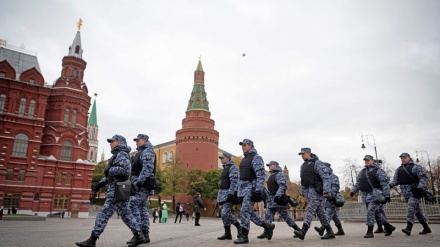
point(148, 157)
point(121, 163)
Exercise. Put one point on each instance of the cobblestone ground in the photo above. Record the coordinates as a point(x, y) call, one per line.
point(65, 232)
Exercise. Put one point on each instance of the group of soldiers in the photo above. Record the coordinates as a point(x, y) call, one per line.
point(320, 186)
point(121, 167)
point(245, 186)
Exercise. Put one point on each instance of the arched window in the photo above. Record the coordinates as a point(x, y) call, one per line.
point(36, 197)
point(2, 102)
point(73, 118)
point(165, 157)
point(66, 117)
point(66, 151)
point(77, 49)
point(74, 72)
point(20, 145)
point(22, 107)
point(31, 109)
point(171, 157)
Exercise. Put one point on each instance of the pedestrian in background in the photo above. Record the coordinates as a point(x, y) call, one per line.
point(198, 204)
point(164, 213)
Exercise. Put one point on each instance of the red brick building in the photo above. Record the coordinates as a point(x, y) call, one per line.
point(44, 142)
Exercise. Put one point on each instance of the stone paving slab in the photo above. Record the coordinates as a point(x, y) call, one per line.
point(65, 232)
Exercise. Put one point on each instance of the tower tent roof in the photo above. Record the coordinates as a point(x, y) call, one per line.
point(93, 119)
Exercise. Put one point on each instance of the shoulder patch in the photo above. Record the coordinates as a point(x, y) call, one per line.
point(148, 157)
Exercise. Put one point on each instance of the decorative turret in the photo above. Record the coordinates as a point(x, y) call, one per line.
point(92, 129)
point(286, 173)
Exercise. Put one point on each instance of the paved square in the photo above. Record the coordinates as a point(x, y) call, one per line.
point(65, 232)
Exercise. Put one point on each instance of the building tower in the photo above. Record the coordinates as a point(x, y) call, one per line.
point(286, 173)
point(92, 130)
point(197, 140)
point(65, 134)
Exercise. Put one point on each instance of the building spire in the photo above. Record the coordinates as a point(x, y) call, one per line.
point(75, 50)
point(93, 119)
point(198, 100)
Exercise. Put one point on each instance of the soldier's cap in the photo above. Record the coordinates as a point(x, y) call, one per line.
point(305, 150)
point(368, 157)
point(246, 141)
point(141, 136)
point(118, 138)
point(225, 154)
point(405, 155)
point(327, 164)
point(272, 163)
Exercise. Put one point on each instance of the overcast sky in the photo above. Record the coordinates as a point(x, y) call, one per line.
point(316, 74)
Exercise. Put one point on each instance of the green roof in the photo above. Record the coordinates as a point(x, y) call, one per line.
point(199, 66)
point(198, 100)
point(93, 120)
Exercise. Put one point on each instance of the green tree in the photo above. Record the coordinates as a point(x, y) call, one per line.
point(172, 179)
point(196, 182)
point(98, 174)
point(212, 183)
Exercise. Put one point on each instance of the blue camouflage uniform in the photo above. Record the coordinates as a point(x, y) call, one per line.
point(222, 197)
point(330, 211)
point(408, 191)
point(145, 159)
point(313, 198)
point(367, 196)
point(119, 167)
point(272, 206)
point(246, 188)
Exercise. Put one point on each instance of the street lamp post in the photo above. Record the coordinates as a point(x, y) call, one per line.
point(368, 143)
point(429, 165)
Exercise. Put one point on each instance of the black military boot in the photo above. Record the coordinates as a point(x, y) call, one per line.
point(426, 229)
point(237, 225)
point(389, 229)
point(227, 234)
point(320, 230)
point(379, 228)
point(91, 242)
point(330, 234)
point(243, 239)
point(301, 234)
point(369, 233)
point(268, 228)
point(408, 228)
point(340, 231)
point(296, 228)
point(146, 236)
point(262, 235)
point(139, 239)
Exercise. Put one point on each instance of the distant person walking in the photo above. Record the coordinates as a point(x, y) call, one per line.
point(198, 204)
point(179, 212)
point(164, 213)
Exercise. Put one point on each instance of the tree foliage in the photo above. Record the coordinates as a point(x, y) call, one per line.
point(98, 174)
point(206, 183)
point(172, 179)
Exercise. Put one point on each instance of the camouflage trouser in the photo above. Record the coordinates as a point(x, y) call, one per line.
point(372, 208)
point(138, 206)
point(379, 214)
point(270, 212)
point(227, 217)
point(247, 214)
point(314, 207)
point(332, 214)
point(108, 210)
point(414, 210)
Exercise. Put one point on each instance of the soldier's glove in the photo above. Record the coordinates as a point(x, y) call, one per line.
point(230, 198)
point(278, 199)
point(257, 196)
point(418, 192)
point(387, 199)
point(281, 200)
point(351, 194)
point(98, 186)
